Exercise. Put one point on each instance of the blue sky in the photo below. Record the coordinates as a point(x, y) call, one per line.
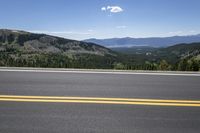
point(81, 19)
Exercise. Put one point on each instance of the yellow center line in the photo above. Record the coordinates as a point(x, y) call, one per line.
point(99, 100)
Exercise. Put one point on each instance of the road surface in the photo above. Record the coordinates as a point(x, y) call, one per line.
point(120, 102)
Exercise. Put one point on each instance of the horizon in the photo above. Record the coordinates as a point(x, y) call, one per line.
point(104, 38)
point(103, 19)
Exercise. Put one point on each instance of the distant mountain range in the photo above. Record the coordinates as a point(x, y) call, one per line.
point(151, 42)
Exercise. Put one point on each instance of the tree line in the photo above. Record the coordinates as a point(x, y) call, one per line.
point(90, 61)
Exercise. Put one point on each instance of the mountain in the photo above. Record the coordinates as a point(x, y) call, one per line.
point(21, 48)
point(30, 43)
point(152, 41)
point(178, 52)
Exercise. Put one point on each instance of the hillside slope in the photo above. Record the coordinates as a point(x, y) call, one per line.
point(20, 48)
point(30, 42)
point(178, 57)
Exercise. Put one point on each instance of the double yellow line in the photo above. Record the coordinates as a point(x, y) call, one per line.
point(98, 100)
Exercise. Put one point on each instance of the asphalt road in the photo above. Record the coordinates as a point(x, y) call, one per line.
point(23, 117)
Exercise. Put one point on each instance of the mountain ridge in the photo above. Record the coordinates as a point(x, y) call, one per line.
point(32, 42)
point(149, 41)
point(25, 49)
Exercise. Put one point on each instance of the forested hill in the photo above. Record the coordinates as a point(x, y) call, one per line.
point(183, 57)
point(29, 43)
point(20, 48)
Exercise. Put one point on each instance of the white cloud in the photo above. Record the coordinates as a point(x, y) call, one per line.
point(112, 9)
point(103, 8)
point(121, 27)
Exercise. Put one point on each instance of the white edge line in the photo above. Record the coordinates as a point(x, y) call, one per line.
point(100, 72)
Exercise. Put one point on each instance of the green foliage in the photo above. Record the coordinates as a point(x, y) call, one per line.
point(27, 37)
point(10, 38)
point(118, 66)
point(55, 60)
point(164, 65)
point(189, 65)
point(195, 65)
point(183, 65)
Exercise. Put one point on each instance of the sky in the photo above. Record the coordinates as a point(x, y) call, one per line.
point(83, 19)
